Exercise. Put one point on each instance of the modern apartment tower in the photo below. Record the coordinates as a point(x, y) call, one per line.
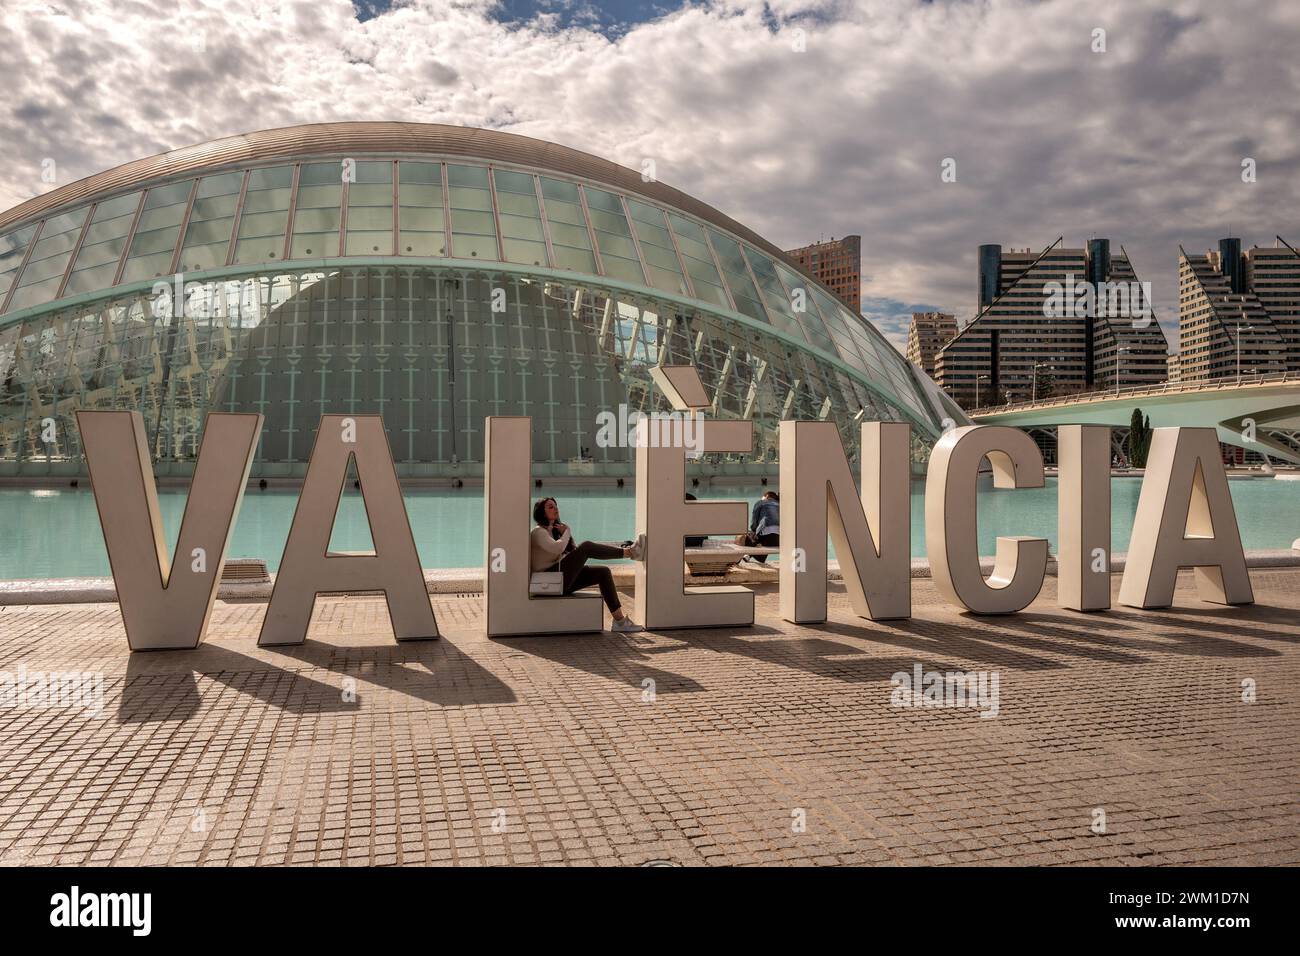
point(836, 264)
point(1053, 322)
point(928, 333)
point(1238, 312)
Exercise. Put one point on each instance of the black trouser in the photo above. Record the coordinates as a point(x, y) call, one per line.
point(766, 541)
point(577, 575)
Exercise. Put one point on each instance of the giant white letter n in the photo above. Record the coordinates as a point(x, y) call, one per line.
point(872, 537)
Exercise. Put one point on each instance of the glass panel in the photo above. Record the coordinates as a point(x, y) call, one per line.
point(613, 238)
point(473, 233)
point(693, 245)
point(657, 247)
point(775, 297)
point(867, 348)
point(316, 214)
point(265, 215)
point(378, 340)
point(737, 276)
point(103, 245)
point(900, 371)
point(44, 273)
point(150, 255)
point(207, 235)
point(809, 317)
point(836, 321)
point(420, 212)
point(570, 240)
point(521, 219)
point(13, 247)
point(370, 210)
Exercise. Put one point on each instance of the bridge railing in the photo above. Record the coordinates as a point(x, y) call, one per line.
point(1139, 391)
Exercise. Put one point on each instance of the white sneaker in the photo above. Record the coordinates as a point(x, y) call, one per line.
point(638, 548)
point(626, 626)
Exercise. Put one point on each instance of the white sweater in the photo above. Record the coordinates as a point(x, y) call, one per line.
point(544, 550)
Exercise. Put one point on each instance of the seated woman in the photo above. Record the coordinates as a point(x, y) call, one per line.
point(552, 549)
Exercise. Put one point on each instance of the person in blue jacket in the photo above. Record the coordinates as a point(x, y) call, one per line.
point(765, 524)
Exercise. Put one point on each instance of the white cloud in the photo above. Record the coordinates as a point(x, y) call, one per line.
point(1142, 143)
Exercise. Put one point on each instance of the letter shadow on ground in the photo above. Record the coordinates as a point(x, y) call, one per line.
point(432, 671)
point(620, 660)
point(1106, 636)
point(602, 655)
point(922, 637)
point(1235, 621)
point(817, 656)
point(1136, 633)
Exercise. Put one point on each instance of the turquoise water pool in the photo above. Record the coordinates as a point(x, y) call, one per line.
point(54, 533)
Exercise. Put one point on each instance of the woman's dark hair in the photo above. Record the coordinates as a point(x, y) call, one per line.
point(539, 510)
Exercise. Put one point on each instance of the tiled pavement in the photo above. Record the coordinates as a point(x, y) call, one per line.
point(551, 750)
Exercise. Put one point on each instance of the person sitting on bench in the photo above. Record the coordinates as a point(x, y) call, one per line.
point(764, 527)
point(552, 549)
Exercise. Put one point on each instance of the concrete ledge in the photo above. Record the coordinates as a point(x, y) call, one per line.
point(470, 580)
point(101, 590)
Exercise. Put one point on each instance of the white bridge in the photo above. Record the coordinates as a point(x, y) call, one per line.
point(1260, 413)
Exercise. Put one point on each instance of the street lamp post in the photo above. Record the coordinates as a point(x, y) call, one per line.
point(978, 379)
point(1033, 379)
point(1241, 328)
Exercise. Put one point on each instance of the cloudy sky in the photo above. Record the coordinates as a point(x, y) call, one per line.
point(801, 118)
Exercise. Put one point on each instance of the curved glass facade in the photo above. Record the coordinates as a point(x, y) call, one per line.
point(429, 290)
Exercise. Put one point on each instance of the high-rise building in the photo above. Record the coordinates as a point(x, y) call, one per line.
point(928, 333)
point(1051, 323)
point(836, 264)
point(1238, 312)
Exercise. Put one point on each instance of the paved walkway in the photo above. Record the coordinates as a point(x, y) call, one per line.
point(774, 744)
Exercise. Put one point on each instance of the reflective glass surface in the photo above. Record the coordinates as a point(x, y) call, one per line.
point(570, 238)
point(473, 230)
point(599, 286)
point(370, 210)
point(265, 215)
point(317, 214)
point(694, 247)
point(154, 241)
point(13, 247)
point(43, 274)
point(732, 261)
point(522, 237)
point(422, 347)
point(657, 247)
point(211, 222)
point(780, 308)
point(103, 244)
point(613, 237)
point(422, 229)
